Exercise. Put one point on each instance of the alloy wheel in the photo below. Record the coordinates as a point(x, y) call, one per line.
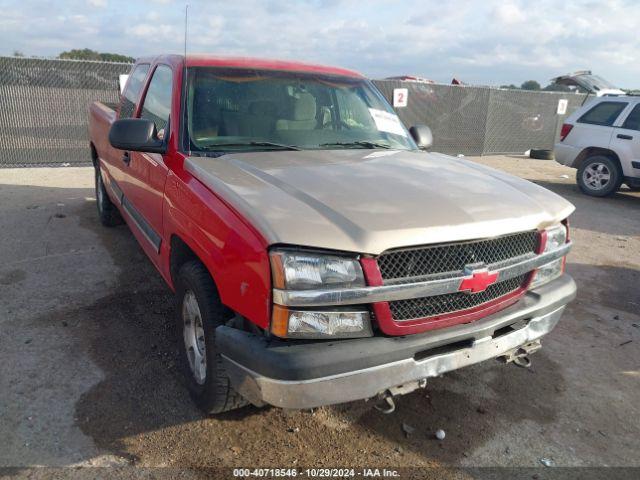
point(596, 176)
point(193, 335)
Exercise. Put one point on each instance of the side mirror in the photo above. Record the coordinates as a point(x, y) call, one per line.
point(137, 134)
point(422, 136)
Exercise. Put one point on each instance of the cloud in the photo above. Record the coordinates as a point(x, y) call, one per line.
point(216, 21)
point(152, 30)
point(510, 14)
point(494, 41)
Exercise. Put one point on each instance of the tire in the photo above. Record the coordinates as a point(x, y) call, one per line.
point(107, 211)
point(540, 154)
point(599, 176)
point(207, 380)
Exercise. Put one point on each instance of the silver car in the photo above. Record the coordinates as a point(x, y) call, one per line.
point(602, 141)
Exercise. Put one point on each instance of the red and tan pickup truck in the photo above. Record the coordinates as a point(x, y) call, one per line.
point(318, 253)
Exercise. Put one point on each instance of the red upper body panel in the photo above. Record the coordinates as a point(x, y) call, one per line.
point(202, 60)
point(267, 64)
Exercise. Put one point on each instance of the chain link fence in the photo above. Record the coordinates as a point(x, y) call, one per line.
point(44, 105)
point(482, 120)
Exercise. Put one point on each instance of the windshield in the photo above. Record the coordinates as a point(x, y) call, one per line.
point(245, 110)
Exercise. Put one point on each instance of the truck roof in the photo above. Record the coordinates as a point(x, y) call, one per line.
point(205, 60)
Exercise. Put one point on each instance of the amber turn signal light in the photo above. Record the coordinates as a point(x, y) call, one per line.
point(280, 321)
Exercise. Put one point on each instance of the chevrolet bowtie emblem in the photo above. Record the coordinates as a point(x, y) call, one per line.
point(478, 280)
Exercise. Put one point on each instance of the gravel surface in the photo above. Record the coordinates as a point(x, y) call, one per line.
point(88, 358)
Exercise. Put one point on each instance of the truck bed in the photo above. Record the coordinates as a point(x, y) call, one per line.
point(101, 116)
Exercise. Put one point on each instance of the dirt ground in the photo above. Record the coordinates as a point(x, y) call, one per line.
point(88, 349)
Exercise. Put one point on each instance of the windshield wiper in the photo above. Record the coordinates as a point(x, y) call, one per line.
point(280, 146)
point(360, 143)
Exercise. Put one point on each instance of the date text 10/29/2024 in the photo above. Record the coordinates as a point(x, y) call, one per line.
point(315, 472)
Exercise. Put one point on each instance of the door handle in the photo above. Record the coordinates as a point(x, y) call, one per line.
point(126, 158)
point(624, 137)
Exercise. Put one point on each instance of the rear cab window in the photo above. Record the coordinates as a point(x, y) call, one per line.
point(132, 90)
point(604, 113)
point(157, 101)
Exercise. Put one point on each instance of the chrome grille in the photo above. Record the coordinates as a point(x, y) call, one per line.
point(411, 264)
point(414, 308)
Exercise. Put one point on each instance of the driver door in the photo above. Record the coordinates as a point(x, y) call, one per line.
point(146, 173)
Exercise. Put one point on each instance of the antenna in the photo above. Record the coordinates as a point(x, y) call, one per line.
point(186, 25)
point(185, 117)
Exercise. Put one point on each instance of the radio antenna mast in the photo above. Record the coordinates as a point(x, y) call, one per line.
point(185, 87)
point(186, 25)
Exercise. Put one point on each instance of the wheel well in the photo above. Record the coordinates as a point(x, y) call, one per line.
point(591, 151)
point(179, 255)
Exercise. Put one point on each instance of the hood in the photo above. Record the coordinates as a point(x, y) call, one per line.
point(368, 201)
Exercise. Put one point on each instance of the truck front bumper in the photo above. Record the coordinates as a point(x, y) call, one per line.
point(310, 374)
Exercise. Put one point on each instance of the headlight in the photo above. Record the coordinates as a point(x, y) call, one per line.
point(303, 271)
point(299, 270)
point(547, 273)
point(315, 324)
point(556, 237)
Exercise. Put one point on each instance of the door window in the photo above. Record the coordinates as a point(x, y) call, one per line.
point(633, 120)
point(157, 101)
point(132, 90)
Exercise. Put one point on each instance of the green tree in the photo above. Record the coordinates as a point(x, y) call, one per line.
point(116, 57)
point(88, 54)
point(530, 85)
point(18, 53)
point(510, 87)
point(556, 87)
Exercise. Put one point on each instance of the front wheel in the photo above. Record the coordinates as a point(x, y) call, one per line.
point(107, 211)
point(199, 313)
point(599, 176)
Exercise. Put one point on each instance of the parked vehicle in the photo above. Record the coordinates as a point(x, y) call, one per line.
point(586, 82)
point(602, 141)
point(411, 78)
point(318, 254)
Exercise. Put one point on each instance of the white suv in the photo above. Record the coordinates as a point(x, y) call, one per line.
point(602, 140)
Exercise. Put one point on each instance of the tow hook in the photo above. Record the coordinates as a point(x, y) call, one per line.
point(385, 402)
point(524, 361)
point(520, 356)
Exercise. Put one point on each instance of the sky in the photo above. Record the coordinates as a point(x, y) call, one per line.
point(489, 42)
